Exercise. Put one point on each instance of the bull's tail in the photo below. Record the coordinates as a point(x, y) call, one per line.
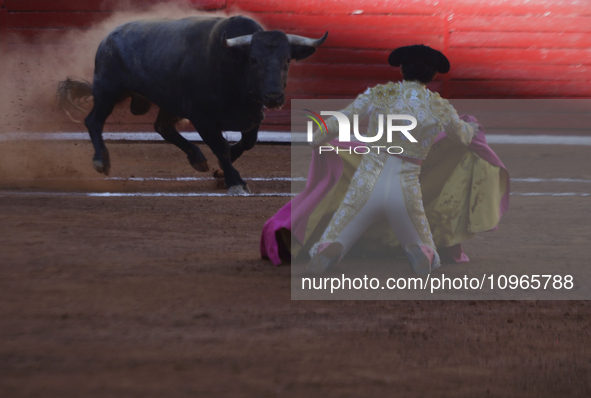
point(70, 93)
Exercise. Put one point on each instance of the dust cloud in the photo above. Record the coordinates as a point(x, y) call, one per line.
point(29, 76)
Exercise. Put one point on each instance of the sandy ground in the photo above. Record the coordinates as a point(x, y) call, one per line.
point(168, 296)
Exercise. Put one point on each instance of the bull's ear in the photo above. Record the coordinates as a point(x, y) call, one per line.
point(301, 52)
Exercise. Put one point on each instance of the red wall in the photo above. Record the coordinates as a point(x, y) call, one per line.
point(497, 48)
point(512, 48)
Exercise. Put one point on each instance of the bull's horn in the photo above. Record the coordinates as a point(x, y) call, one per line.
point(306, 41)
point(236, 41)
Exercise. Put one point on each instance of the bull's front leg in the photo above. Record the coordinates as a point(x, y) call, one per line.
point(220, 148)
point(246, 143)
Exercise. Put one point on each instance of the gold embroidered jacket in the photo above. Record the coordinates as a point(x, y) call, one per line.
point(433, 114)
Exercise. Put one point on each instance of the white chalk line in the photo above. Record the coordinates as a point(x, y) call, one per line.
point(276, 194)
point(285, 179)
point(282, 137)
point(575, 180)
point(217, 194)
point(232, 136)
point(142, 194)
point(180, 194)
point(550, 194)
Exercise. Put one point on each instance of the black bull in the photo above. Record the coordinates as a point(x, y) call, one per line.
point(219, 73)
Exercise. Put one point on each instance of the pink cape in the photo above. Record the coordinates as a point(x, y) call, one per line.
point(325, 171)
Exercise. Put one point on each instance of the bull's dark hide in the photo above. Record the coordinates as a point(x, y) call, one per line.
point(219, 73)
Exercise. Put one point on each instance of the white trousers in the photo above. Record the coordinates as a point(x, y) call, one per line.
point(396, 196)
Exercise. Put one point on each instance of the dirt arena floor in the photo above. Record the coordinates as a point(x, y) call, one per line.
point(141, 296)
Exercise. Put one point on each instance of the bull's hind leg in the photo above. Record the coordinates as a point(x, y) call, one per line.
point(104, 103)
point(165, 126)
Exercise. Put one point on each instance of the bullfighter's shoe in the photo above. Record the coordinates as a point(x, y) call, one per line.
point(327, 257)
point(420, 258)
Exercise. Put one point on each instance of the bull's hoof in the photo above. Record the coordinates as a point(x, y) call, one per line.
point(200, 166)
point(238, 190)
point(101, 166)
point(102, 162)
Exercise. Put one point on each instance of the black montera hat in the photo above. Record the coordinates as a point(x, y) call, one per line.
point(419, 54)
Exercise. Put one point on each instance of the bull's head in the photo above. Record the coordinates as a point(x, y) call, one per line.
point(268, 55)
